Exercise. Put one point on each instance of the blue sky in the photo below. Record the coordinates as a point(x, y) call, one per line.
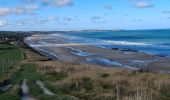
point(59, 15)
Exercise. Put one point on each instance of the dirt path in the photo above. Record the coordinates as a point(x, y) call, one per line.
point(44, 88)
point(25, 95)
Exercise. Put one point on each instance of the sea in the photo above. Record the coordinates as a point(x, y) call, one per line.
point(155, 42)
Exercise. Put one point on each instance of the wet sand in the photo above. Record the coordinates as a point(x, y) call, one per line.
point(60, 49)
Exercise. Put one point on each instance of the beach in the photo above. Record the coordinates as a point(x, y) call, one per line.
point(58, 48)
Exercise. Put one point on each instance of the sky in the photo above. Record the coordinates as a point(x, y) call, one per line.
point(67, 15)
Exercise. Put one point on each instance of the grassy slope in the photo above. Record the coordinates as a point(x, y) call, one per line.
point(9, 54)
point(89, 82)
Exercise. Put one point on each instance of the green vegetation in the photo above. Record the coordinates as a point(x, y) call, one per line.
point(55, 76)
point(12, 94)
point(29, 72)
point(10, 52)
point(93, 83)
point(10, 56)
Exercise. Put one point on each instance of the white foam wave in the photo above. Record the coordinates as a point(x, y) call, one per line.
point(125, 43)
point(102, 42)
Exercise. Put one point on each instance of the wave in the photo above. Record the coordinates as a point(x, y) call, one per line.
point(99, 41)
point(102, 42)
point(126, 43)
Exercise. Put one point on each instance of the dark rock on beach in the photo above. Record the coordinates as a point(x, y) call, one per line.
point(130, 50)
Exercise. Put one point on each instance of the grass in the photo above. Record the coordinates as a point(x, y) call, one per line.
point(29, 72)
point(9, 56)
point(12, 94)
point(89, 82)
point(10, 52)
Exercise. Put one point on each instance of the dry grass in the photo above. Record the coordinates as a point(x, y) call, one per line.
point(95, 82)
point(33, 56)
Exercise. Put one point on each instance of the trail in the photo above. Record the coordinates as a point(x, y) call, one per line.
point(25, 91)
point(45, 89)
point(5, 87)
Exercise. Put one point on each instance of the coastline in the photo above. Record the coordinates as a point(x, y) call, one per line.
point(115, 57)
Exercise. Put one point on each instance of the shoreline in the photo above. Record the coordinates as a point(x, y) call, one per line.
point(115, 57)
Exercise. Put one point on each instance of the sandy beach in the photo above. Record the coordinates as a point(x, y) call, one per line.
point(61, 49)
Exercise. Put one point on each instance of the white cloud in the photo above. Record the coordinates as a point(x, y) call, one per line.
point(142, 4)
point(49, 18)
point(28, 0)
point(4, 11)
point(27, 9)
point(58, 3)
point(2, 23)
point(27, 21)
point(31, 7)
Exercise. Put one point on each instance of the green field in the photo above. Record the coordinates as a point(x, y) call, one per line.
point(10, 52)
point(29, 72)
point(10, 55)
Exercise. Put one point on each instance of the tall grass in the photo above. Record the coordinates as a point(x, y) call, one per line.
point(89, 82)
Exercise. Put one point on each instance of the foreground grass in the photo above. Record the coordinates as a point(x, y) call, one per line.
point(89, 82)
point(10, 58)
point(29, 72)
point(12, 94)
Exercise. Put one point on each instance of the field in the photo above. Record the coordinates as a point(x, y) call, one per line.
point(10, 55)
point(10, 58)
point(73, 81)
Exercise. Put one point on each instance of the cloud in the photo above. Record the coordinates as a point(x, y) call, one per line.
point(141, 4)
point(49, 18)
point(4, 11)
point(2, 23)
point(97, 19)
point(30, 7)
point(28, 0)
point(68, 19)
point(136, 20)
point(166, 12)
point(109, 7)
point(27, 9)
point(58, 3)
point(25, 22)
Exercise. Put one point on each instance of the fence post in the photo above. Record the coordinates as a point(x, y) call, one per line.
point(119, 92)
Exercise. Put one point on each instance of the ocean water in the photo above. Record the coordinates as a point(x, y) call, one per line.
point(148, 41)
